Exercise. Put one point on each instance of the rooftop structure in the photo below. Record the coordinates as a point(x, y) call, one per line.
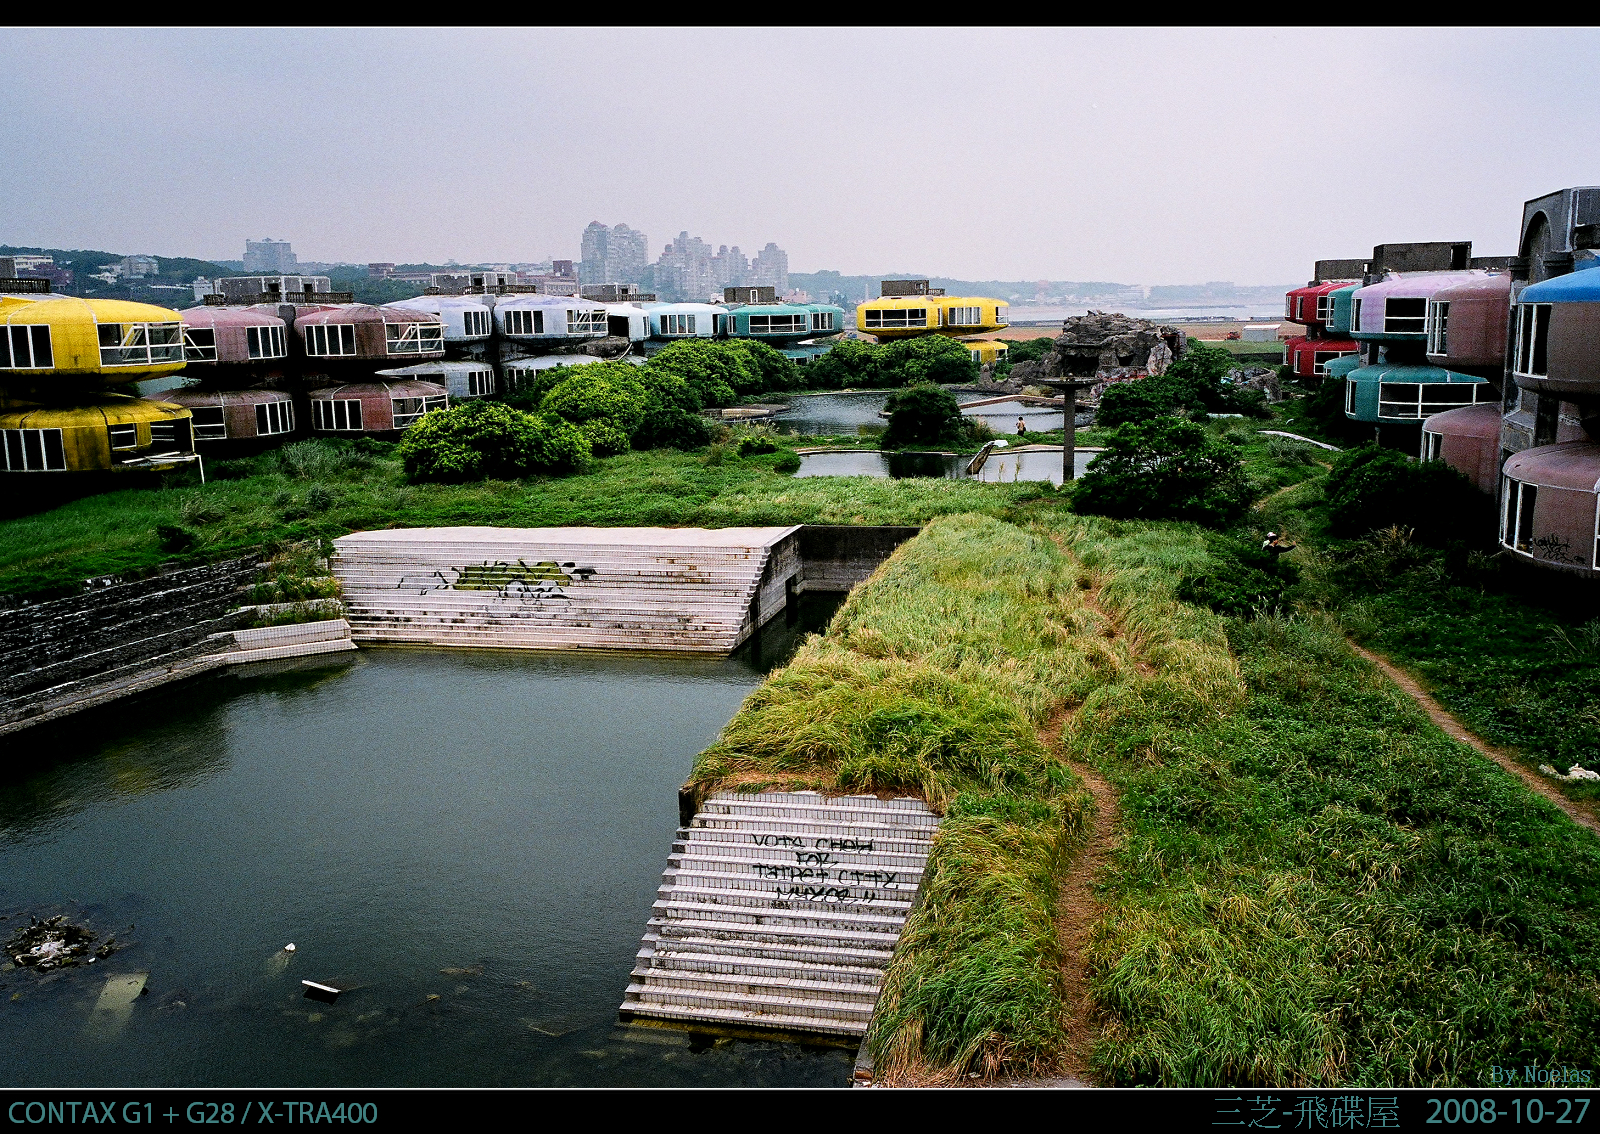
point(95, 341)
point(271, 257)
point(350, 332)
point(273, 289)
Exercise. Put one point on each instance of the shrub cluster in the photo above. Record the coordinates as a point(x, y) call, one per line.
point(1193, 384)
point(924, 415)
point(481, 439)
point(904, 362)
point(1165, 469)
point(1371, 488)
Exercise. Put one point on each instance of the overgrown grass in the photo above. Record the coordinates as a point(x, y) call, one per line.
point(1323, 889)
point(317, 489)
point(936, 678)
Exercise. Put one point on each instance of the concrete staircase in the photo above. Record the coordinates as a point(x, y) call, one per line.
point(270, 643)
point(702, 590)
point(779, 912)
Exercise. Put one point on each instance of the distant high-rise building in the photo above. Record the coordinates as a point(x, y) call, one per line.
point(137, 267)
point(771, 267)
point(612, 255)
point(685, 272)
point(269, 257)
point(729, 268)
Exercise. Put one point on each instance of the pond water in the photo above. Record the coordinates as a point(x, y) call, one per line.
point(1003, 466)
point(470, 841)
point(822, 415)
point(1002, 416)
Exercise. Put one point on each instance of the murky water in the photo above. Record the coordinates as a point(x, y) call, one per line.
point(469, 841)
point(823, 415)
point(1003, 466)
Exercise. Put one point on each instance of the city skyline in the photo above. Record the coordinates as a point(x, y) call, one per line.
point(1145, 154)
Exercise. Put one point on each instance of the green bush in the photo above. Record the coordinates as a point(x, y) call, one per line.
point(929, 358)
point(924, 415)
point(1239, 578)
point(718, 373)
point(1192, 383)
point(606, 401)
point(903, 362)
point(778, 371)
point(1165, 469)
point(1029, 350)
point(173, 538)
point(1371, 488)
point(490, 439)
point(532, 388)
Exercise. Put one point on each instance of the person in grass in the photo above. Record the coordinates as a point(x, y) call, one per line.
point(1275, 544)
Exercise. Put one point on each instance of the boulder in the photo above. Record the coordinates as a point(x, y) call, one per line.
point(1109, 346)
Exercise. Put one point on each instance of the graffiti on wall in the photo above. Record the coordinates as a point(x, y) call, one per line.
point(521, 581)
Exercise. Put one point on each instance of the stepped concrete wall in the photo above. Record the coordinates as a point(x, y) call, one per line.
point(668, 589)
point(69, 653)
point(779, 912)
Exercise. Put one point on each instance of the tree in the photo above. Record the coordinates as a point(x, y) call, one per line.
point(1165, 469)
point(849, 364)
point(490, 439)
point(924, 415)
point(778, 371)
point(717, 372)
point(1371, 488)
point(1193, 382)
point(928, 358)
point(605, 400)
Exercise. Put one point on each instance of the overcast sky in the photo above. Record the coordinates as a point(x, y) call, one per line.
point(1148, 156)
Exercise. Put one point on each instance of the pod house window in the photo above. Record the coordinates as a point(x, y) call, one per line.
point(895, 317)
point(163, 433)
point(777, 324)
point(200, 344)
point(822, 320)
point(1002, 314)
point(1405, 316)
point(1324, 308)
point(677, 324)
point(1432, 443)
point(124, 436)
point(1438, 322)
point(1355, 314)
point(1321, 358)
point(278, 417)
point(140, 344)
point(209, 423)
point(1533, 340)
point(1416, 400)
point(1516, 516)
point(26, 346)
point(414, 338)
point(265, 342)
point(520, 321)
point(480, 383)
point(331, 339)
point(32, 450)
point(336, 415)
point(475, 324)
point(1349, 396)
point(586, 322)
point(966, 316)
point(407, 410)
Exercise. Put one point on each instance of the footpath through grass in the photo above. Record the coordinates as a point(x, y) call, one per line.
point(1314, 886)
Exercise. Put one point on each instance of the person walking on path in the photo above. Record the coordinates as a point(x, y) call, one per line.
point(1022, 427)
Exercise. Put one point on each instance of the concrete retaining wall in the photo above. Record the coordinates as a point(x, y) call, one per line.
point(836, 557)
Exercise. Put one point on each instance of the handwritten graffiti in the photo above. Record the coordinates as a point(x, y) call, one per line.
point(1553, 548)
point(859, 845)
point(839, 895)
point(823, 874)
point(521, 581)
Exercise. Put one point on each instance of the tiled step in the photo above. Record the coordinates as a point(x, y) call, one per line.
point(781, 910)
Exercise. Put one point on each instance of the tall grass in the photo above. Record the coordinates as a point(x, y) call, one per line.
point(1323, 889)
point(936, 678)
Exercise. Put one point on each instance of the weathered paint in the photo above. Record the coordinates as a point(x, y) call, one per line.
point(993, 315)
point(1300, 353)
point(86, 433)
point(75, 335)
point(377, 402)
point(1369, 381)
point(371, 335)
point(1370, 302)
point(458, 378)
point(238, 408)
point(231, 325)
point(1566, 510)
point(1574, 339)
point(1468, 440)
point(1476, 324)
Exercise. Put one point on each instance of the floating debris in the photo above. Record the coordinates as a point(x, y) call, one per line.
point(324, 992)
point(475, 970)
point(115, 1007)
point(56, 943)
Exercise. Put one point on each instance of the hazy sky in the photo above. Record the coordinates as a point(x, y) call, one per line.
point(1152, 156)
